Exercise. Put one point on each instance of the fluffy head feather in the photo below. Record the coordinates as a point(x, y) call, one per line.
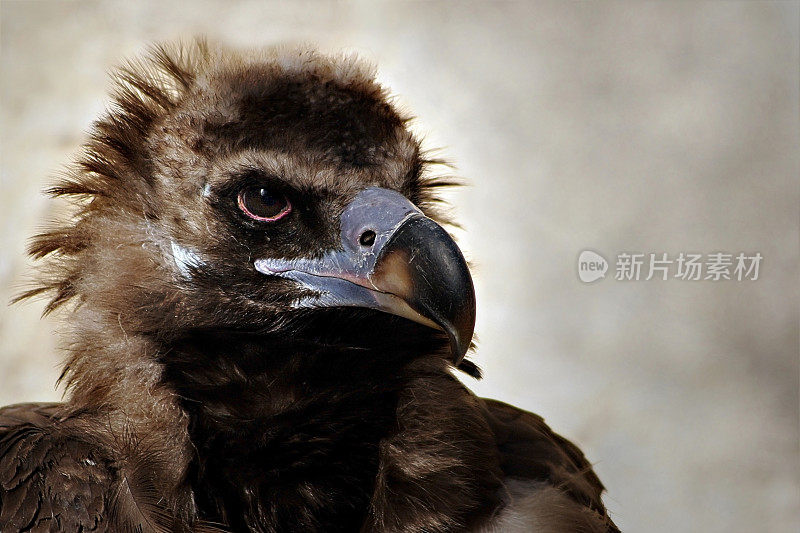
point(150, 247)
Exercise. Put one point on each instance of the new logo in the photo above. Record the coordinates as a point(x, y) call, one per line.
point(591, 266)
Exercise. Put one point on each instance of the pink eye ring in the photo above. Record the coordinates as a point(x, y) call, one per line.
point(262, 205)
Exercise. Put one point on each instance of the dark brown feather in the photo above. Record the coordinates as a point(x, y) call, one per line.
point(60, 472)
point(530, 450)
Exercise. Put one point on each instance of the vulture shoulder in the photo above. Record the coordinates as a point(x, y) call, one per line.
point(549, 484)
point(57, 476)
point(49, 481)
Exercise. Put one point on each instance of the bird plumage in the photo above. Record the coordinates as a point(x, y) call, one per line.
point(207, 393)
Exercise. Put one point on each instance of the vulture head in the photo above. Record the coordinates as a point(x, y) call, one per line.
point(272, 193)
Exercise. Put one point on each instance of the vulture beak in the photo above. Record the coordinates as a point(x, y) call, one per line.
point(394, 259)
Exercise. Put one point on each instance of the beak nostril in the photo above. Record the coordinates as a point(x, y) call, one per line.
point(367, 238)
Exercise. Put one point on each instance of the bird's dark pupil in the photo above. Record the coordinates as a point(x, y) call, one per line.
point(262, 203)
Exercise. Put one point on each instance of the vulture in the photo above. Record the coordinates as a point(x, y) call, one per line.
point(264, 321)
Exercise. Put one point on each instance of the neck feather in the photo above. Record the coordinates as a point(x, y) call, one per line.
point(276, 421)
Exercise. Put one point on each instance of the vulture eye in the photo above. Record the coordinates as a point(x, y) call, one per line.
point(260, 204)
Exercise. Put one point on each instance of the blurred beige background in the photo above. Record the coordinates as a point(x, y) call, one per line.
point(650, 127)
